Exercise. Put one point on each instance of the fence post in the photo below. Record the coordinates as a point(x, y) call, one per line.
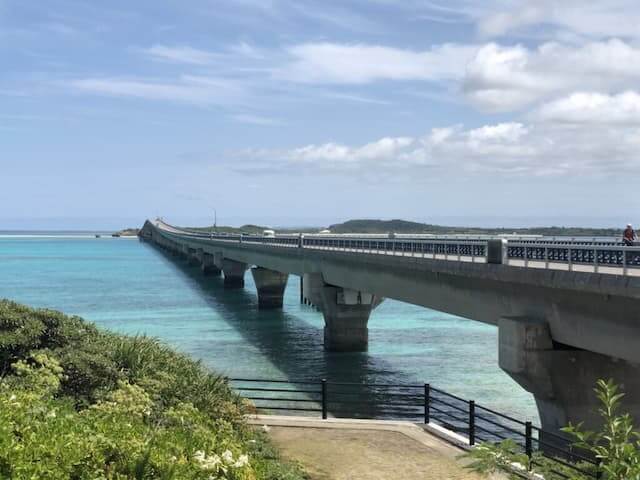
point(546, 257)
point(570, 258)
point(472, 422)
point(324, 399)
point(528, 443)
point(427, 403)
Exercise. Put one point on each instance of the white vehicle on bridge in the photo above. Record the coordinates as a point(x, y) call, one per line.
point(269, 233)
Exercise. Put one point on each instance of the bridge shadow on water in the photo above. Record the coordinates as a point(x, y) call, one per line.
point(295, 348)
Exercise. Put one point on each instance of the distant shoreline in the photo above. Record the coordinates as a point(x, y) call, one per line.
point(61, 234)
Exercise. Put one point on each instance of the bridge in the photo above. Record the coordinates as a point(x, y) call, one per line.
point(567, 310)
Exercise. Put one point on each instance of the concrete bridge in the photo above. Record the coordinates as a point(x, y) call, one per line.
point(568, 312)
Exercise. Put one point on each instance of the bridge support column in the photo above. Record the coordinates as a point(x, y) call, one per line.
point(346, 315)
point(208, 265)
point(562, 379)
point(271, 285)
point(233, 273)
point(192, 256)
point(312, 284)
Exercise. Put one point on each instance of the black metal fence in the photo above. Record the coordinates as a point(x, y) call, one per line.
point(415, 403)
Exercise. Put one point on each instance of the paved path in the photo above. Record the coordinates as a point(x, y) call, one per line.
point(365, 450)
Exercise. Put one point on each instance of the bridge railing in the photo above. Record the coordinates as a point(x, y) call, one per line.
point(418, 403)
point(407, 247)
point(446, 249)
point(598, 255)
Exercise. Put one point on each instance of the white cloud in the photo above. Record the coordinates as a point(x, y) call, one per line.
point(180, 54)
point(506, 78)
point(505, 149)
point(503, 132)
point(194, 90)
point(246, 50)
point(351, 97)
point(385, 148)
point(591, 107)
point(359, 63)
point(591, 19)
point(501, 22)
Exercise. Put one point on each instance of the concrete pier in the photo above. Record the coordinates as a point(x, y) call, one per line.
point(208, 265)
point(562, 379)
point(271, 285)
point(192, 257)
point(233, 273)
point(312, 284)
point(346, 315)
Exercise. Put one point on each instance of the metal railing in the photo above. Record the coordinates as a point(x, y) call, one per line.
point(422, 404)
point(596, 256)
point(546, 252)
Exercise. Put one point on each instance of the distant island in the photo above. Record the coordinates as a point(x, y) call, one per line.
point(405, 226)
point(126, 232)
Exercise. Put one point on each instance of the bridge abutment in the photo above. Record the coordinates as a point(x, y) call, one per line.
point(346, 317)
point(270, 285)
point(233, 273)
point(562, 379)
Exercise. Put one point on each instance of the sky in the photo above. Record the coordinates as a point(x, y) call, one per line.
point(300, 112)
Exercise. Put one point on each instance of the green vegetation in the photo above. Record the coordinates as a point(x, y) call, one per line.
point(616, 447)
point(127, 232)
point(247, 229)
point(404, 226)
point(381, 226)
point(77, 402)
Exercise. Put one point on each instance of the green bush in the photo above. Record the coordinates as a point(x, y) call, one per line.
point(80, 403)
point(616, 448)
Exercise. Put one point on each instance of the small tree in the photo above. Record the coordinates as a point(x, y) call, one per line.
point(616, 446)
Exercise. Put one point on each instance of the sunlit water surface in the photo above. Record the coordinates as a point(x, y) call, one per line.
point(129, 286)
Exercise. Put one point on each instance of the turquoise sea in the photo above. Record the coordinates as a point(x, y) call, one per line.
point(129, 286)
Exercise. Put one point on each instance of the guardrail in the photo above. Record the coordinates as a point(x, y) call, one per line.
point(422, 404)
point(570, 255)
point(548, 253)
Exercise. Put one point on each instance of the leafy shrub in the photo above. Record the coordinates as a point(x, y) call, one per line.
point(616, 448)
point(80, 403)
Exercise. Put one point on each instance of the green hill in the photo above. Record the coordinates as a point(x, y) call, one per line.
point(405, 226)
point(251, 229)
point(381, 226)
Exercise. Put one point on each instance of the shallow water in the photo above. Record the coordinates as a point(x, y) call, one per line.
point(128, 286)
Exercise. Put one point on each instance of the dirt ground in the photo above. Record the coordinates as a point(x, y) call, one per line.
point(353, 454)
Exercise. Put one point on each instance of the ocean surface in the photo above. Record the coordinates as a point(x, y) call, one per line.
point(128, 286)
